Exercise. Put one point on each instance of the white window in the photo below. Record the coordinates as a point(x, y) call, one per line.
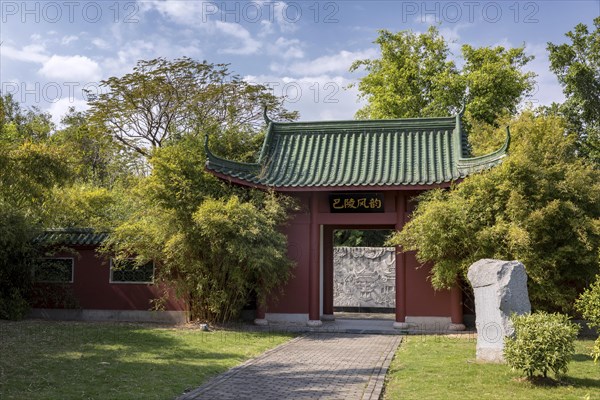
point(54, 270)
point(125, 271)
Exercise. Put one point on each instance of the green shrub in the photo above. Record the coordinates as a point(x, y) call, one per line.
point(16, 253)
point(542, 342)
point(588, 304)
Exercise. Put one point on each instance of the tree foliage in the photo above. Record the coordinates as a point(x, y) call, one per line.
point(83, 205)
point(588, 304)
point(134, 166)
point(360, 238)
point(29, 168)
point(96, 158)
point(16, 255)
point(540, 206)
point(416, 77)
point(220, 246)
point(413, 78)
point(17, 124)
point(577, 67)
point(495, 81)
point(164, 100)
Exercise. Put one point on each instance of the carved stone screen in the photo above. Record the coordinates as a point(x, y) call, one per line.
point(364, 277)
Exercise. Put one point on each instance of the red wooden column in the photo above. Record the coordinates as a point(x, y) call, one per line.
point(314, 264)
point(456, 309)
point(327, 274)
point(400, 267)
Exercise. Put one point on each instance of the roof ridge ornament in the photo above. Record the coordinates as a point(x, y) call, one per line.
point(265, 116)
point(206, 149)
point(463, 105)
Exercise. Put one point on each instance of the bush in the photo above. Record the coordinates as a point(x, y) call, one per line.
point(588, 304)
point(541, 342)
point(16, 253)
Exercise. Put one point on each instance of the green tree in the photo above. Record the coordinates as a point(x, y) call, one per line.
point(540, 206)
point(588, 304)
point(360, 238)
point(219, 245)
point(83, 205)
point(16, 255)
point(164, 100)
point(18, 125)
point(495, 81)
point(95, 158)
point(577, 67)
point(28, 171)
point(415, 77)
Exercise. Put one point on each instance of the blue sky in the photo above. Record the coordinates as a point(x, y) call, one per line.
point(51, 50)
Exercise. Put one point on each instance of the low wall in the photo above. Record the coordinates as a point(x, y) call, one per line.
point(170, 317)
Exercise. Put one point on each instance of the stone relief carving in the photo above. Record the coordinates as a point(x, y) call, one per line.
point(364, 277)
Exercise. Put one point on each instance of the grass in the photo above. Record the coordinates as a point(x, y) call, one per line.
point(72, 360)
point(439, 367)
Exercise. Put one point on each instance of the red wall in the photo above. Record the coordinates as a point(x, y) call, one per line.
point(91, 287)
point(421, 298)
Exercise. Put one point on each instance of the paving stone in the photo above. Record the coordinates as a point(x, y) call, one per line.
point(314, 366)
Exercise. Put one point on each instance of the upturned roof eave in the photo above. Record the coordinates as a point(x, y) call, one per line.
point(471, 165)
point(330, 188)
point(249, 174)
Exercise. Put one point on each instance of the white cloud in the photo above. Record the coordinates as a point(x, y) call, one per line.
point(183, 12)
point(453, 37)
point(68, 39)
point(71, 68)
point(286, 48)
point(247, 44)
point(203, 14)
point(126, 57)
point(317, 98)
point(59, 108)
point(337, 63)
point(207, 17)
point(100, 43)
point(31, 53)
point(266, 28)
point(286, 15)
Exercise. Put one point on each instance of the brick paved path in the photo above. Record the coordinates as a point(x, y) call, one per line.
point(315, 366)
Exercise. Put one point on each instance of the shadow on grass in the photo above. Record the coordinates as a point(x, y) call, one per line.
point(589, 383)
point(118, 361)
point(579, 357)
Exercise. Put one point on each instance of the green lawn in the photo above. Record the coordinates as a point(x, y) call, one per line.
point(71, 360)
point(438, 367)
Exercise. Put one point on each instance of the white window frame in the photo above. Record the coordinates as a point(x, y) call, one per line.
point(110, 280)
point(59, 258)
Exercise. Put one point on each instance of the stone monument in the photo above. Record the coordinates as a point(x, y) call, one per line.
point(500, 289)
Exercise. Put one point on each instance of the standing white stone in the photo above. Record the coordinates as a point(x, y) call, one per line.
point(500, 289)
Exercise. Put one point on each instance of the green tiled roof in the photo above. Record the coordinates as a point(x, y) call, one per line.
point(382, 153)
point(71, 237)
